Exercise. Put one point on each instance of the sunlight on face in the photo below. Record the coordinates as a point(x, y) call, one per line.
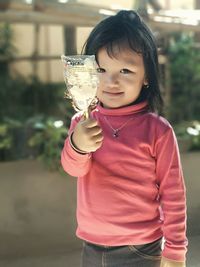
point(121, 77)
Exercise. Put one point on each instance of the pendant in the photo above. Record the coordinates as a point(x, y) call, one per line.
point(115, 134)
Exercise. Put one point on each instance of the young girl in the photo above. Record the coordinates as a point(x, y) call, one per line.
point(131, 191)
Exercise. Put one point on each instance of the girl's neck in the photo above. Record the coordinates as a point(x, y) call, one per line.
point(125, 110)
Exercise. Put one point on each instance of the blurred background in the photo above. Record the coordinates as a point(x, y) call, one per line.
point(37, 199)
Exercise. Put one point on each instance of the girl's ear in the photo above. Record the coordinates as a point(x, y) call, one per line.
point(146, 83)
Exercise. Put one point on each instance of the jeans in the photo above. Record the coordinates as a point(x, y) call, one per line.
point(147, 255)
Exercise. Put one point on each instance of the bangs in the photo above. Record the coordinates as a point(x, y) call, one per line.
point(114, 47)
point(116, 39)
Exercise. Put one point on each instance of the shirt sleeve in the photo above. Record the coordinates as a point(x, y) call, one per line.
point(172, 195)
point(74, 163)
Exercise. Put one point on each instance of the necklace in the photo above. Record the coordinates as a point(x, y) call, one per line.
point(115, 133)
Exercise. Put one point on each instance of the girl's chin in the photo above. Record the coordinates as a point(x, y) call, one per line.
point(115, 105)
point(112, 106)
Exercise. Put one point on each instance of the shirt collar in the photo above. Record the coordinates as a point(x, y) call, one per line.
point(128, 110)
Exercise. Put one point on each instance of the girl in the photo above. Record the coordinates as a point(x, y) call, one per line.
point(131, 191)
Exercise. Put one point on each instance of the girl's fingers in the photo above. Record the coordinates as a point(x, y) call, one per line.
point(96, 146)
point(95, 131)
point(98, 138)
point(90, 123)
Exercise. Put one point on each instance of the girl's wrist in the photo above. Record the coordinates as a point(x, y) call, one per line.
point(74, 147)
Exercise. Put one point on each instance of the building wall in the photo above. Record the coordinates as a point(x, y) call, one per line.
point(180, 4)
point(51, 41)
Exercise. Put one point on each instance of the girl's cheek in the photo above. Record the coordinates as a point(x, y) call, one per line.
point(99, 94)
point(101, 79)
point(101, 84)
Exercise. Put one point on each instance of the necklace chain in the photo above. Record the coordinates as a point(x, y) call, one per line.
point(116, 131)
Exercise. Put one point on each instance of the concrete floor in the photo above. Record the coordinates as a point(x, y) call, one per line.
point(38, 211)
point(71, 258)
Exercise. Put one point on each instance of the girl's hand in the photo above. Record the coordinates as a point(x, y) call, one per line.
point(168, 263)
point(87, 136)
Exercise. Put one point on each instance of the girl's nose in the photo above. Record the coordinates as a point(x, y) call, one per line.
point(112, 80)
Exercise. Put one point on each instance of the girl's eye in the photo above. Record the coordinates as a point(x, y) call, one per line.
point(100, 70)
point(125, 71)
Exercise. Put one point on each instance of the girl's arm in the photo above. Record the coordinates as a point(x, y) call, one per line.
point(172, 198)
point(73, 162)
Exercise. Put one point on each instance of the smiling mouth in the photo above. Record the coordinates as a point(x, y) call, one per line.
point(113, 93)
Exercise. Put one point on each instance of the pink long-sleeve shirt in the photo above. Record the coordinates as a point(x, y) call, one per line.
point(131, 190)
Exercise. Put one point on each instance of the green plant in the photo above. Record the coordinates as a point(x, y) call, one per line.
point(7, 49)
point(23, 102)
point(5, 139)
point(8, 144)
point(49, 138)
point(189, 132)
point(194, 131)
point(185, 79)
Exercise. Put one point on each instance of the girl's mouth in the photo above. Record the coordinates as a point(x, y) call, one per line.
point(113, 94)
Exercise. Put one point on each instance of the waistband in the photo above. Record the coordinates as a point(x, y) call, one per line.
point(111, 247)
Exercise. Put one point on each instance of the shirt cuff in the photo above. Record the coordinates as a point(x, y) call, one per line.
point(177, 254)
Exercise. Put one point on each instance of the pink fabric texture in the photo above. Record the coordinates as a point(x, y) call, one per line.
point(131, 190)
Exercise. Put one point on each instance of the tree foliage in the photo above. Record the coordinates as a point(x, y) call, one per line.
point(185, 79)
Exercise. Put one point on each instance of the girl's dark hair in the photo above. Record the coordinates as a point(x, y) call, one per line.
point(127, 27)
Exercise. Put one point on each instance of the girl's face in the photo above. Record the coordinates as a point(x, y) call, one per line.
point(121, 77)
